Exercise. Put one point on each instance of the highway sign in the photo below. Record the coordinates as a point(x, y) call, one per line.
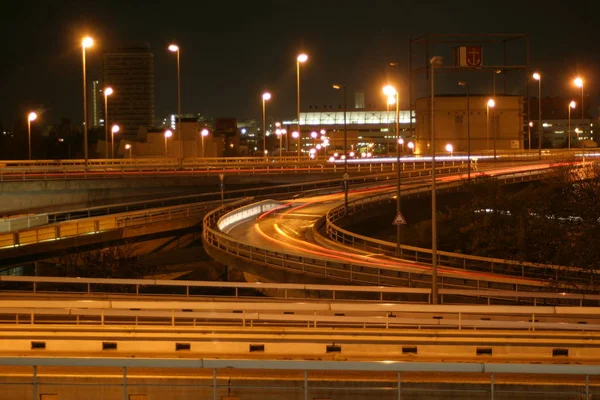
point(221, 176)
point(346, 176)
point(399, 220)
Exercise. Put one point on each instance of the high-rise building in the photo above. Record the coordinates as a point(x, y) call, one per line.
point(97, 103)
point(130, 72)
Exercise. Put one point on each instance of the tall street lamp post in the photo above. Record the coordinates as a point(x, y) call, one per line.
point(466, 84)
point(86, 42)
point(265, 97)
point(168, 134)
point(391, 92)
point(496, 72)
point(571, 105)
point(31, 117)
point(435, 61)
point(128, 147)
point(345, 181)
point(529, 126)
point(107, 92)
point(490, 104)
point(175, 49)
point(300, 59)
point(579, 83)
point(538, 78)
point(114, 130)
point(203, 134)
point(296, 136)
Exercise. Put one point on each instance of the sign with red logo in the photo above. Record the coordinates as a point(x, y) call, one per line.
point(474, 56)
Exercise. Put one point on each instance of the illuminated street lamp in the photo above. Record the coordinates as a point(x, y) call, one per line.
point(302, 58)
point(175, 49)
point(107, 92)
point(391, 92)
point(450, 149)
point(31, 117)
point(265, 97)
point(280, 133)
point(579, 83)
point(530, 125)
point(114, 130)
point(490, 104)
point(128, 147)
point(86, 42)
point(345, 176)
point(538, 78)
point(296, 136)
point(411, 146)
point(203, 134)
point(168, 134)
point(572, 104)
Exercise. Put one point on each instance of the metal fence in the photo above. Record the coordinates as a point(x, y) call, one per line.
point(111, 378)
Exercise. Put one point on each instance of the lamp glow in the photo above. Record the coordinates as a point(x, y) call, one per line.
point(32, 116)
point(266, 96)
point(578, 82)
point(572, 104)
point(204, 132)
point(537, 76)
point(302, 58)
point(389, 90)
point(87, 42)
point(168, 133)
point(174, 48)
point(491, 103)
point(108, 91)
point(115, 128)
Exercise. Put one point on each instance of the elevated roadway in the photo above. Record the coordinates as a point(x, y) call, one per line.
point(287, 239)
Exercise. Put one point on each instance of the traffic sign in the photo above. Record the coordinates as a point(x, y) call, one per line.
point(221, 176)
point(346, 176)
point(399, 220)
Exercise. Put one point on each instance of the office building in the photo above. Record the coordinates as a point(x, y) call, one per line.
point(130, 72)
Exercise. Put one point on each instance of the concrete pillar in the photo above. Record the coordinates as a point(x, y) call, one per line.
point(305, 385)
point(35, 390)
point(492, 386)
point(399, 386)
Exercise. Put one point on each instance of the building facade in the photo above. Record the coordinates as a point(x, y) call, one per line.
point(485, 128)
point(130, 72)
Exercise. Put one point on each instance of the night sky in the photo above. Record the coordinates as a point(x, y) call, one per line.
point(233, 50)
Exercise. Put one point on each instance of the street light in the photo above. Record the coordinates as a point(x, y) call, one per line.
point(391, 92)
point(466, 84)
point(107, 92)
point(265, 97)
point(168, 134)
point(434, 61)
point(203, 134)
point(114, 129)
point(175, 49)
point(490, 104)
point(529, 126)
point(280, 132)
point(411, 146)
point(450, 149)
point(128, 147)
point(296, 135)
point(496, 72)
point(31, 117)
point(86, 42)
point(579, 83)
point(345, 181)
point(538, 78)
point(300, 59)
point(572, 104)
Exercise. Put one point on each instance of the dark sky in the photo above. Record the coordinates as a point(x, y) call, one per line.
point(233, 50)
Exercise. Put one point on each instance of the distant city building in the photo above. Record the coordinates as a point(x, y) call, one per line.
point(555, 122)
point(97, 103)
point(130, 72)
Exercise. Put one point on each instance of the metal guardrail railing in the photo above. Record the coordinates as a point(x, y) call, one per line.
point(50, 171)
point(137, 312)
point(95, 225)
point(190, 290)
point(455, 260)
